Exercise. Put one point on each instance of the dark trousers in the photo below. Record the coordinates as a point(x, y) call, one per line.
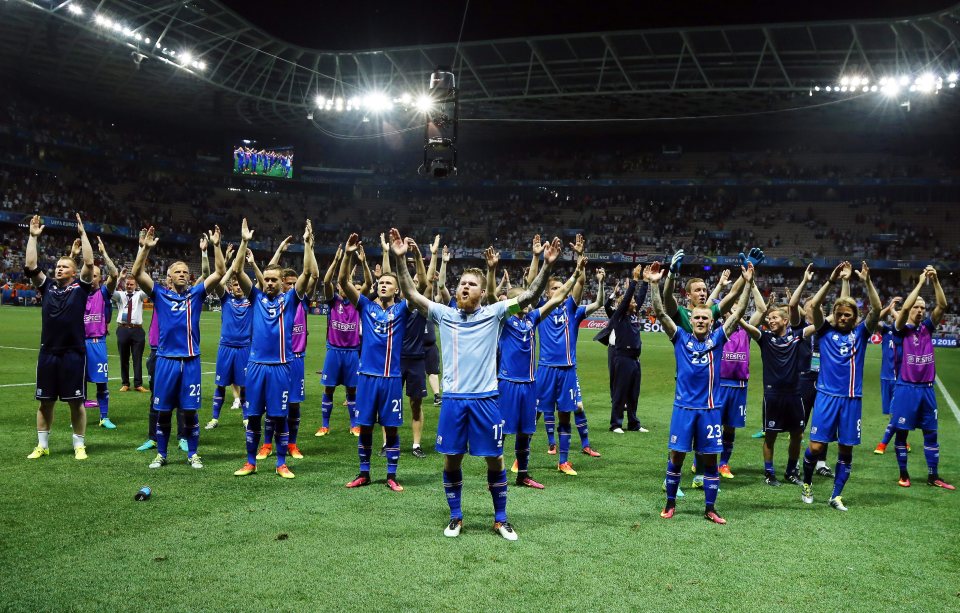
point(624, 390)
point(131, 341)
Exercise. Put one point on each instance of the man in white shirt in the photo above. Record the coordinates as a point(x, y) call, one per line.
point(130, 336)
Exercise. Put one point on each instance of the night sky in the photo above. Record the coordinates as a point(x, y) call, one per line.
point(366, 24)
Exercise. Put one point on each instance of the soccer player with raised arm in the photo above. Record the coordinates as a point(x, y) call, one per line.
point(839, 405)
point(379, 383)
point(470, 418)
point(270, 372)
point(518, 392)
point(734, 379)
point(178, 309)
point(780, 347)
point(236, 330)
point(96, 320)
point(914, 402)
point(342, 359)
point(61, 361)
point(891, 351)
point(696, 421)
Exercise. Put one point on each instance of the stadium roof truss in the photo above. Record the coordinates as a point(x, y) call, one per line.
point(251, 76)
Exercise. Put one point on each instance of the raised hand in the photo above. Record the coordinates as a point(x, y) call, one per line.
point(245, 232)
point(377, 271)
point(412, 245)
point(308, 234)
point(864, 273)
point(214, 236)
point(122, 274)
point(398, 246)
point(652, 273)
point(552, 251)
point(506, 279)
point(581, 265)
point(142, 236)
point(361, 254)
point(578, 244)
point(100, 247)
point(435, 245)
point(446, 254)
point(846, 272)
point(203, 243)
point(284, 244)
point(930, 273)
point(747, 273)
point(249, 256)
point(492, 257)
point(896, 302)
point(835, 275)
point(384, 244)
point(229, 252)
point(725, 277)
point(339, 254)
point(601, 275)
point(755, 256)
point(80, 227)
point(677, 260)
point(75, 248)
point(36, 228)
point(808, 273)
point(537, 245)
point(637, 272)
point(353, 243)
point(150, 238)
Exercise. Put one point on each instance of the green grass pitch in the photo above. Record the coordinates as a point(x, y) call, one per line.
point(72, 537)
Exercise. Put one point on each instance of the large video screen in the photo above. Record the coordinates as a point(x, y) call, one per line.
point(252, 159)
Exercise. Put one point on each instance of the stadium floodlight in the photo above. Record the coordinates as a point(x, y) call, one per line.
point(828, 88)
point(845, 81)
point(377, 102)
point(952, 77)
point(424, 103)
point(146, 41)
point(186, 58)
point(844, 88)
point(338, 103)
point(816, 88)
point(904, 80)
point(865, 89)
point(202, 65)
point(320, 100)
point(874, 88)
point(406, 98)
point(74, 8)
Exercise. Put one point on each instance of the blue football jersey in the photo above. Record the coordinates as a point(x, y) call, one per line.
point(236, 321)
point(272, 341)
point(891, 344)
point(841, 360)
point(178, 319)
point(698, 369)
point(517, 351)
point(558, 336)
point(382, 338)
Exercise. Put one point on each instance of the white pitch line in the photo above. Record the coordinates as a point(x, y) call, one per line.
point(210, 372)
point(946, 394)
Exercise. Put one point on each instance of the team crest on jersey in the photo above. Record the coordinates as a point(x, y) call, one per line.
point(689, 344)
point(673, 438)
point(709, 344)
point(835, 337)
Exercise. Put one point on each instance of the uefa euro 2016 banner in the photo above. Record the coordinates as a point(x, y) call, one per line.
point(22, 219)
point(655, 327)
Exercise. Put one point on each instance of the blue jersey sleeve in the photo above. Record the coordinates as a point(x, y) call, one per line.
point(533, 317)
point(929, 325)
point(580, 315)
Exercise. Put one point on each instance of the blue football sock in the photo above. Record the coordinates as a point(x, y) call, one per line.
point(711, 486)
point(809, 463)
point(563, 430)
point(393, 451)
point(163, 432)
point(364, 447)
point(580, 419)
point(181, 429)
point(191, 425)
point(728, 438)
point(103, 399)
point(549, 424)
point(218, 394)
point(253, 438)
point(768, 467)
point(931, 451)
point(352, 408)
point(673, 482)
point(281, 433)
point(792, 466)
point(497, 481)
point(293, 421)
point(152, 424)
point(842, 473)
point(901, 449)
point(888, 433)
point(522, 447)
point(326, 408)
point(268, 431)
point(452, 487)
